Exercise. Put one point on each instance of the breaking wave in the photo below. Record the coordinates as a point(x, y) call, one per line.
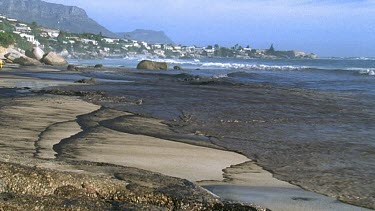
point(253, 66)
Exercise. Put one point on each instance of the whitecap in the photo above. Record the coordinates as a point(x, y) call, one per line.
point(252, 66)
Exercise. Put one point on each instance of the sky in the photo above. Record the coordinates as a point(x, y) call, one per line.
point(325, 27)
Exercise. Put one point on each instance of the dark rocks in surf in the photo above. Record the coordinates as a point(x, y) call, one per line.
point(177, 68)
point(151, 65)
point(98, 66)
point(86, 81)
point(72, 67)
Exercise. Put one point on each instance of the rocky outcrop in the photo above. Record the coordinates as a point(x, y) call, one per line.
point(27, 61)
point(13, 54)
point(86, 81)
point(72, 67)
point(35, 53)
point(33, 188)
point(98, 66)
point(151, 65)
point(51, 58)
point(177, 68)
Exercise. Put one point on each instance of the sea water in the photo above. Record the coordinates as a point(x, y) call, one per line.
point(346, 74)
point(310, 122)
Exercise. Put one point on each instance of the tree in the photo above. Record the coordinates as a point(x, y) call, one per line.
point(271, 50)
point(34, 25)
point(61, 37)
point(6, 39)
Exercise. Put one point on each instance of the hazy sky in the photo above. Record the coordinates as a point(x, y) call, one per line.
point(326, 27)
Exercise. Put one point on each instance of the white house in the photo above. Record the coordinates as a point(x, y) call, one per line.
point(168, 47)
point(159, 52)
point(189, 49)
point(23, 29)
point(51, 32)
point(30, 38)
point(109, 40)
point(145, 44)
point(178, 48)
point(12, 20)
point(87, 41)
point(156, 46)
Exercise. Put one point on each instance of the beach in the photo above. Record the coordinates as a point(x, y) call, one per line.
point(132, 150)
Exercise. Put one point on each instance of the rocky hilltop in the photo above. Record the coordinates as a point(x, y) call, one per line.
point(66, 18)
point(149, 36)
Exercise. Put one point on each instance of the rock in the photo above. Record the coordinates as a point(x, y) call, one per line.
point(71, 67)
point(177, 68)
point(98, 66)
point(86, 81)
point(35, 53)
point(27, 61)
point(51, 58)
point(151, 65)
point(13, 54)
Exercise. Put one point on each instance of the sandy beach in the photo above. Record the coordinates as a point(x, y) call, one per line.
point(59, 134)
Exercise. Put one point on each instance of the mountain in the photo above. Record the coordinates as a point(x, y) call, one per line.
point(148, 36)
point(66, 18)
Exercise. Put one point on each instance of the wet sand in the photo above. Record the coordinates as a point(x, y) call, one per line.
point(32, 124)
point(49, 126)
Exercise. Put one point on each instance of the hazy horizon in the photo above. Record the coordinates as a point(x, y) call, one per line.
point(326, 27)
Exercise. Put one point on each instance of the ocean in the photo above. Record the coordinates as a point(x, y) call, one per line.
point(309, 122)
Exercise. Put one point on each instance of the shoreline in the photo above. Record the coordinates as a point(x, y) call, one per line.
point(230, 173)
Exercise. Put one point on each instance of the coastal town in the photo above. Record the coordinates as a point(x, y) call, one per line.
point(93, 46)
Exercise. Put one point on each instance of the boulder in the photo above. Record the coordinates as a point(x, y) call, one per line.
point(151, 65)
point(35, 53)
point(13, 54)
point(72, 67)
point(51, 58)
point(27, 61)
point(98, 66)
point(177, 68)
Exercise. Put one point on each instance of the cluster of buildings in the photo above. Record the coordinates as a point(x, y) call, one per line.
point(91, 46)
point(110, 47)
point(22, 29)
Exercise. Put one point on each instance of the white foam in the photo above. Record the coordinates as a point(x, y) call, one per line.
point(180, 62)
point(370, 71)
point(252, 66)
point(220, 76)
